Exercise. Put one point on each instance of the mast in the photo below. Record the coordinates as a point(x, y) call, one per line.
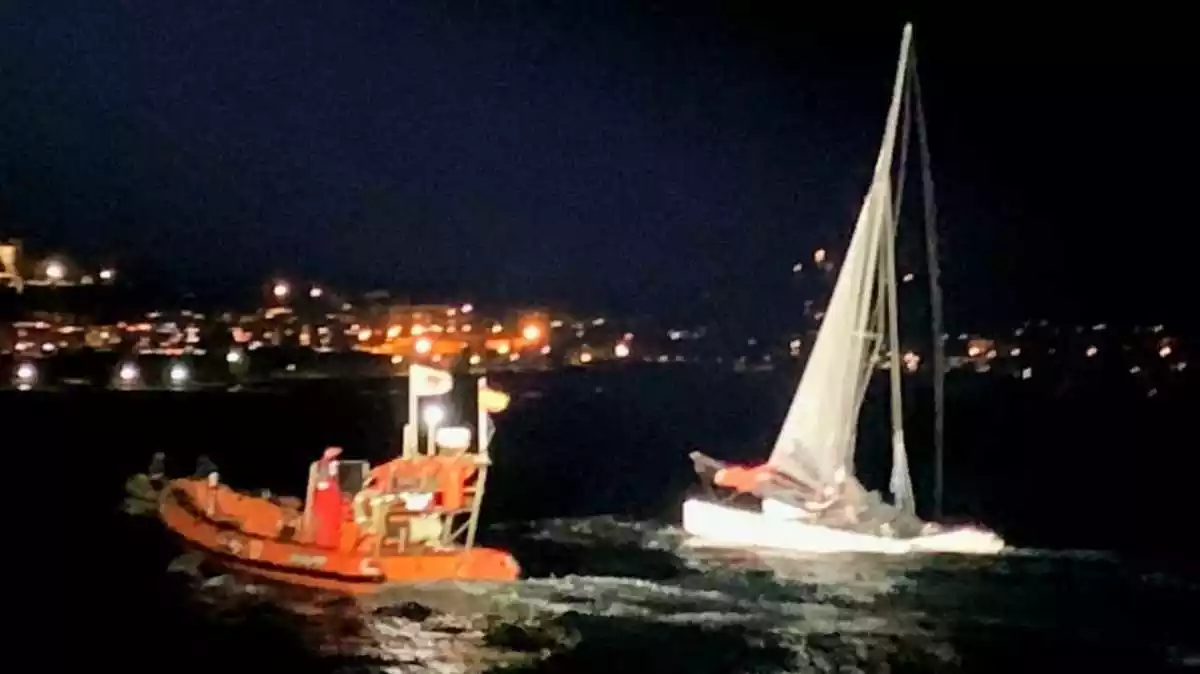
point(900, 483)
point(483, 439)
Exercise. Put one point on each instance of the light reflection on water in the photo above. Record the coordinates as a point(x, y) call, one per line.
point(730, 612)
point(606, 595)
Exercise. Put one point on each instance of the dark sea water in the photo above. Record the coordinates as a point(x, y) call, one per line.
point(1090, 478)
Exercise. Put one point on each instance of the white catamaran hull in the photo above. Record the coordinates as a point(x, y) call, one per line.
point(722, 526)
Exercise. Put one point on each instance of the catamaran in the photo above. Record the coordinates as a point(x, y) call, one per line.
point(807, 496)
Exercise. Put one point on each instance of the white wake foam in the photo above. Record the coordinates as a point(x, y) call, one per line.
point(622, 594)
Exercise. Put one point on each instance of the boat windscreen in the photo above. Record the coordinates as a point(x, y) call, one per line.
point(352, 475)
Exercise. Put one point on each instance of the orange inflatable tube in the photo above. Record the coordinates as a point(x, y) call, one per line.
point(265, 538)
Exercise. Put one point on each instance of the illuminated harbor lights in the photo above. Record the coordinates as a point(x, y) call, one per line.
point(178, 375)
point(128, 375)
point(239, 362)
point(56, 271)
point(25, 376)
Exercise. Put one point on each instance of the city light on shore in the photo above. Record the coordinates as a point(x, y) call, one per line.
point(457, 333)
point(56, 270)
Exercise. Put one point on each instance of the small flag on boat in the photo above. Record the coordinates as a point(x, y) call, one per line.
point(492, 400)
point(426, 381)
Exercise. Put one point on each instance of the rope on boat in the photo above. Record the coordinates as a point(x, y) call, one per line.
point(935, 294)
point(364, 517)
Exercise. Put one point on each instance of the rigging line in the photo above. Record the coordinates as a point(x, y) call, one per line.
point(906, 497)
point(905, 136)
point(935, 292)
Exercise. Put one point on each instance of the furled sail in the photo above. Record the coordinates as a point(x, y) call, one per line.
point(816, 443)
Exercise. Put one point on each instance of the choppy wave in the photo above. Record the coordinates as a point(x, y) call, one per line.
point(607, 595)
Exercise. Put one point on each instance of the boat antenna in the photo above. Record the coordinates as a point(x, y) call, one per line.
point(935, 296)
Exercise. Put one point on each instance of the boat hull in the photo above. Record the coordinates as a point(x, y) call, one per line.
point(716, 525)
point(247, 545)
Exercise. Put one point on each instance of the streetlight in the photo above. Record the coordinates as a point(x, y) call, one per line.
point(56, 271)
point(433, 416)
point(107, 274)
point(239, 362)
point(26, 376)
point(281, 290)
point(128, 374)
point(178, 375)
point(315, 292)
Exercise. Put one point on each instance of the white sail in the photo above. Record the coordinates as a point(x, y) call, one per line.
point(816, 443)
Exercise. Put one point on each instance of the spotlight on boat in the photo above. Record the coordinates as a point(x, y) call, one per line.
point(454, 438)
point(25, 376)
point(433, 415)
point(128, 374)
point(178, 375)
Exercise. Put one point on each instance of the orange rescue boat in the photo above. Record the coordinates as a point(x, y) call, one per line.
point(360, 529)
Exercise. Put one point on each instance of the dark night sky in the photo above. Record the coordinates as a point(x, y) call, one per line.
point(626, 154)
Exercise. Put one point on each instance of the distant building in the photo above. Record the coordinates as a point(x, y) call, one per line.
point(10, 264)
point(443, 333)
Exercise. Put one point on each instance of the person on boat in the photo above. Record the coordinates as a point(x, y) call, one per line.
point(157, 472)
point(327, 505)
